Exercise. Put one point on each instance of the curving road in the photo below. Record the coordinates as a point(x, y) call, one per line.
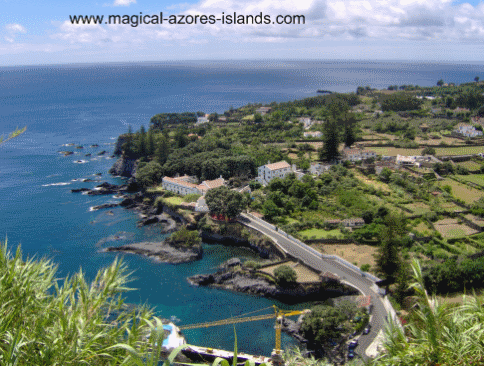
point(346, 273)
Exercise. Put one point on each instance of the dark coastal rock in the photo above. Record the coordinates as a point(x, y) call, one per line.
point(132, 185)
point(232, 262)
point(251, 283)
point(77, 190)
point(293, 328)
point(87, 155)
point(105, 205)
point(124, 167)
point(161, 252)
point(149, 221)
point(80, 147)
point(94, 145)
point(66, 153)
point(102, 152)
point(107, 188)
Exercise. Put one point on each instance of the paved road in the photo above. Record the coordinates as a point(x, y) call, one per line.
point(347, 274)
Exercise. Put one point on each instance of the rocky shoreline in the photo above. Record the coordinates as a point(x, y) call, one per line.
point(160, 252)
point(250, 282)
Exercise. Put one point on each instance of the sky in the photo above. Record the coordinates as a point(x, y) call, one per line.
point(41, 32)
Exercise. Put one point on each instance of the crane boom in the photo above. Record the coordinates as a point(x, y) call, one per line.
point(278, 314)
point(228, 321)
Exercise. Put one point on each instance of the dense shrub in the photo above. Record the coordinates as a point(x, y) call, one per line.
point(285, 275)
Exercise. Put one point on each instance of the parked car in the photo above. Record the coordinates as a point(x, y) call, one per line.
point(352, 345)
point(352, 335)
point(367, 329)
point(351, 354)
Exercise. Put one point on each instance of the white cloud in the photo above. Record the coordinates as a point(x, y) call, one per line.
point(15, 28)
point(123, 2)
point(335, 20)
point(12, 30)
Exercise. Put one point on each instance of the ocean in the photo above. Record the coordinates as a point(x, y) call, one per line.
point(93, 104)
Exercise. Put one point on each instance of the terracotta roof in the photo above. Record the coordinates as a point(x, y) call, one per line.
point(209, 184)
point(278, 165)
point(179, 181)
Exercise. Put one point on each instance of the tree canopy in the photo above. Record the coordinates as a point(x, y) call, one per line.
point(226, 202)
point(285, 275)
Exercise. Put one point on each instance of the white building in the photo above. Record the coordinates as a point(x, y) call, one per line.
point(354, 222)
point(318, 168)
point(358, 154)
point(183, 186)
point(201, 120)
point(275, 170)
point(467, 130)
point(263, 110)
point(313, 134)
point(306, 121)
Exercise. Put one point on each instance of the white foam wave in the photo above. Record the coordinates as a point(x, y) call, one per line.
point(56, 184)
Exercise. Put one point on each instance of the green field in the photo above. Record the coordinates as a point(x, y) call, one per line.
point(418, 208)
point(322, 234)
point(394, 151)
point(476, 178)
point(174, 200)
point(463, 192)
point(470, 165)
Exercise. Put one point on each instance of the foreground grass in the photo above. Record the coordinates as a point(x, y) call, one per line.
point(47, 321)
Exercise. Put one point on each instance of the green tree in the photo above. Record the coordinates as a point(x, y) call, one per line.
point(385, 174)
point(323, 325)
point(349, 127)
point(258, 118)
point(142, 143)
point(330, 150)
point(285, 275)
point(128, 146)
point(428, 150)
point(388, 261)
point(226, 202)
point(162, 151)
point(150, 145)
point(476, 79)
point(149, 174)
point(440, 82)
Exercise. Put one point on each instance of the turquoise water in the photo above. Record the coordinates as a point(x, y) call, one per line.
point(93, 105)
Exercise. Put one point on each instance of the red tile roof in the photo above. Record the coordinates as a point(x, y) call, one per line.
point(278, 165)
point(180, 181)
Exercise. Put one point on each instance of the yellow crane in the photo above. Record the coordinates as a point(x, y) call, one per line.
point(278, 314)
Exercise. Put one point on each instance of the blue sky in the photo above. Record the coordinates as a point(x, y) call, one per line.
point(40, 32)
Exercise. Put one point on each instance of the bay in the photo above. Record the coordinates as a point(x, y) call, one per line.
point(93, 104)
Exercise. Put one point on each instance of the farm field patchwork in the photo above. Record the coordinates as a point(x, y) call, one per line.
point(461, 191)
point(470, 165)
point(475, 178)
point(418, 208)
point(450, 228)
point(464, 150)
